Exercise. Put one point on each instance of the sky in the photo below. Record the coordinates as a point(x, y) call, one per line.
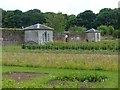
point(65, 6)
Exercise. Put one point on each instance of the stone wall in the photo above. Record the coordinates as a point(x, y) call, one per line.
point(71, 37)
point(12, 36)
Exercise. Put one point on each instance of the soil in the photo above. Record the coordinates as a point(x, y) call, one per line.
point(56, 82)
point(19, 77)
point(80, 84)
point(88, 84)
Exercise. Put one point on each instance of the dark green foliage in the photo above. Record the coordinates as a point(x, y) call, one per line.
point(71, 22)
point(104, 45)
point(85, 78)
point(106, 30)
point(56, 21)
point(60, 22)
point(23, 46)
point(86, 19)
point(19, 19)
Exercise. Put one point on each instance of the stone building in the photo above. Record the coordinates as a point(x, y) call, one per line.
point(38, 33)
point(93, 35)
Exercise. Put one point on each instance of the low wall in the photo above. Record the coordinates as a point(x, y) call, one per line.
point(71, 37)
point(12, 36)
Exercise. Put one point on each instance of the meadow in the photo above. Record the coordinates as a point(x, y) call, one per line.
point(61, 68)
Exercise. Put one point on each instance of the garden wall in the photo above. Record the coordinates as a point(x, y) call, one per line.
point(78, 37)
point(12, 36)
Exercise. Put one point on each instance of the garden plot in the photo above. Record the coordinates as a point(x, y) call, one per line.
point(78, 84)
point(84, 81)
point(57, 78)
point(21, 76)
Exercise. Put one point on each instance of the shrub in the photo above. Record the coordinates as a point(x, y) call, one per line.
point(23, 46)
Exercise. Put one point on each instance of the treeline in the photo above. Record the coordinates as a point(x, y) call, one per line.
point(107, 20)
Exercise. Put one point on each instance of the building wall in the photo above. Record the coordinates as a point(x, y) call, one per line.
point(93, 37)
point(31, 36)
point(90, 37)
point(38, 36)
point(45, 36)
point(99, 35)
point(1, 39)
point(50, 36)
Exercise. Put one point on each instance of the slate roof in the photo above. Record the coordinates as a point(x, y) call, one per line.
point(92, 31)
point(38, 27)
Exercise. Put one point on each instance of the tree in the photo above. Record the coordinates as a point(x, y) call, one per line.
point(8, 19)
point(1, 18)
point(117, 25)
point(86, 19)
point(32, 17)
point(77, 29)
point(61, 22)
point(111, 30)
point(103, 29)
point(71, 21)
point(107, 17)
point(12, 19)
point(56, 21)
point(116, 34)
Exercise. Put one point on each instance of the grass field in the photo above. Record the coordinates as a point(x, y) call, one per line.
point(53, 74)
point(62, 60)
point(60, 68)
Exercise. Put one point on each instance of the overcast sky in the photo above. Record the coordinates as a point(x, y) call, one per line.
point(64, 6)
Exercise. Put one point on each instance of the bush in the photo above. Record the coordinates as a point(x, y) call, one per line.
point(23, 46)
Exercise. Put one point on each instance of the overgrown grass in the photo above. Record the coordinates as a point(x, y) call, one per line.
point(62, 60)
point(15, 56)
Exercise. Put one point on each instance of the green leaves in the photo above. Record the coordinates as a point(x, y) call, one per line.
point(106, 30)
point(85, 78)
point(56, 21)
point(8, 83)
point(86, 19)
point(104, 45)
point(61, 22)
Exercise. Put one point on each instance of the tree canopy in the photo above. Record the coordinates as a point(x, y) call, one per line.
point(106, 18)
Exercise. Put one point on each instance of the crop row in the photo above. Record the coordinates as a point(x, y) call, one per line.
point(85, 78)
point(74, 46)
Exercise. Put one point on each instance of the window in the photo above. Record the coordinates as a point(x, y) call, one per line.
point(45, 36)
point(48, 37)
point(98, 36)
